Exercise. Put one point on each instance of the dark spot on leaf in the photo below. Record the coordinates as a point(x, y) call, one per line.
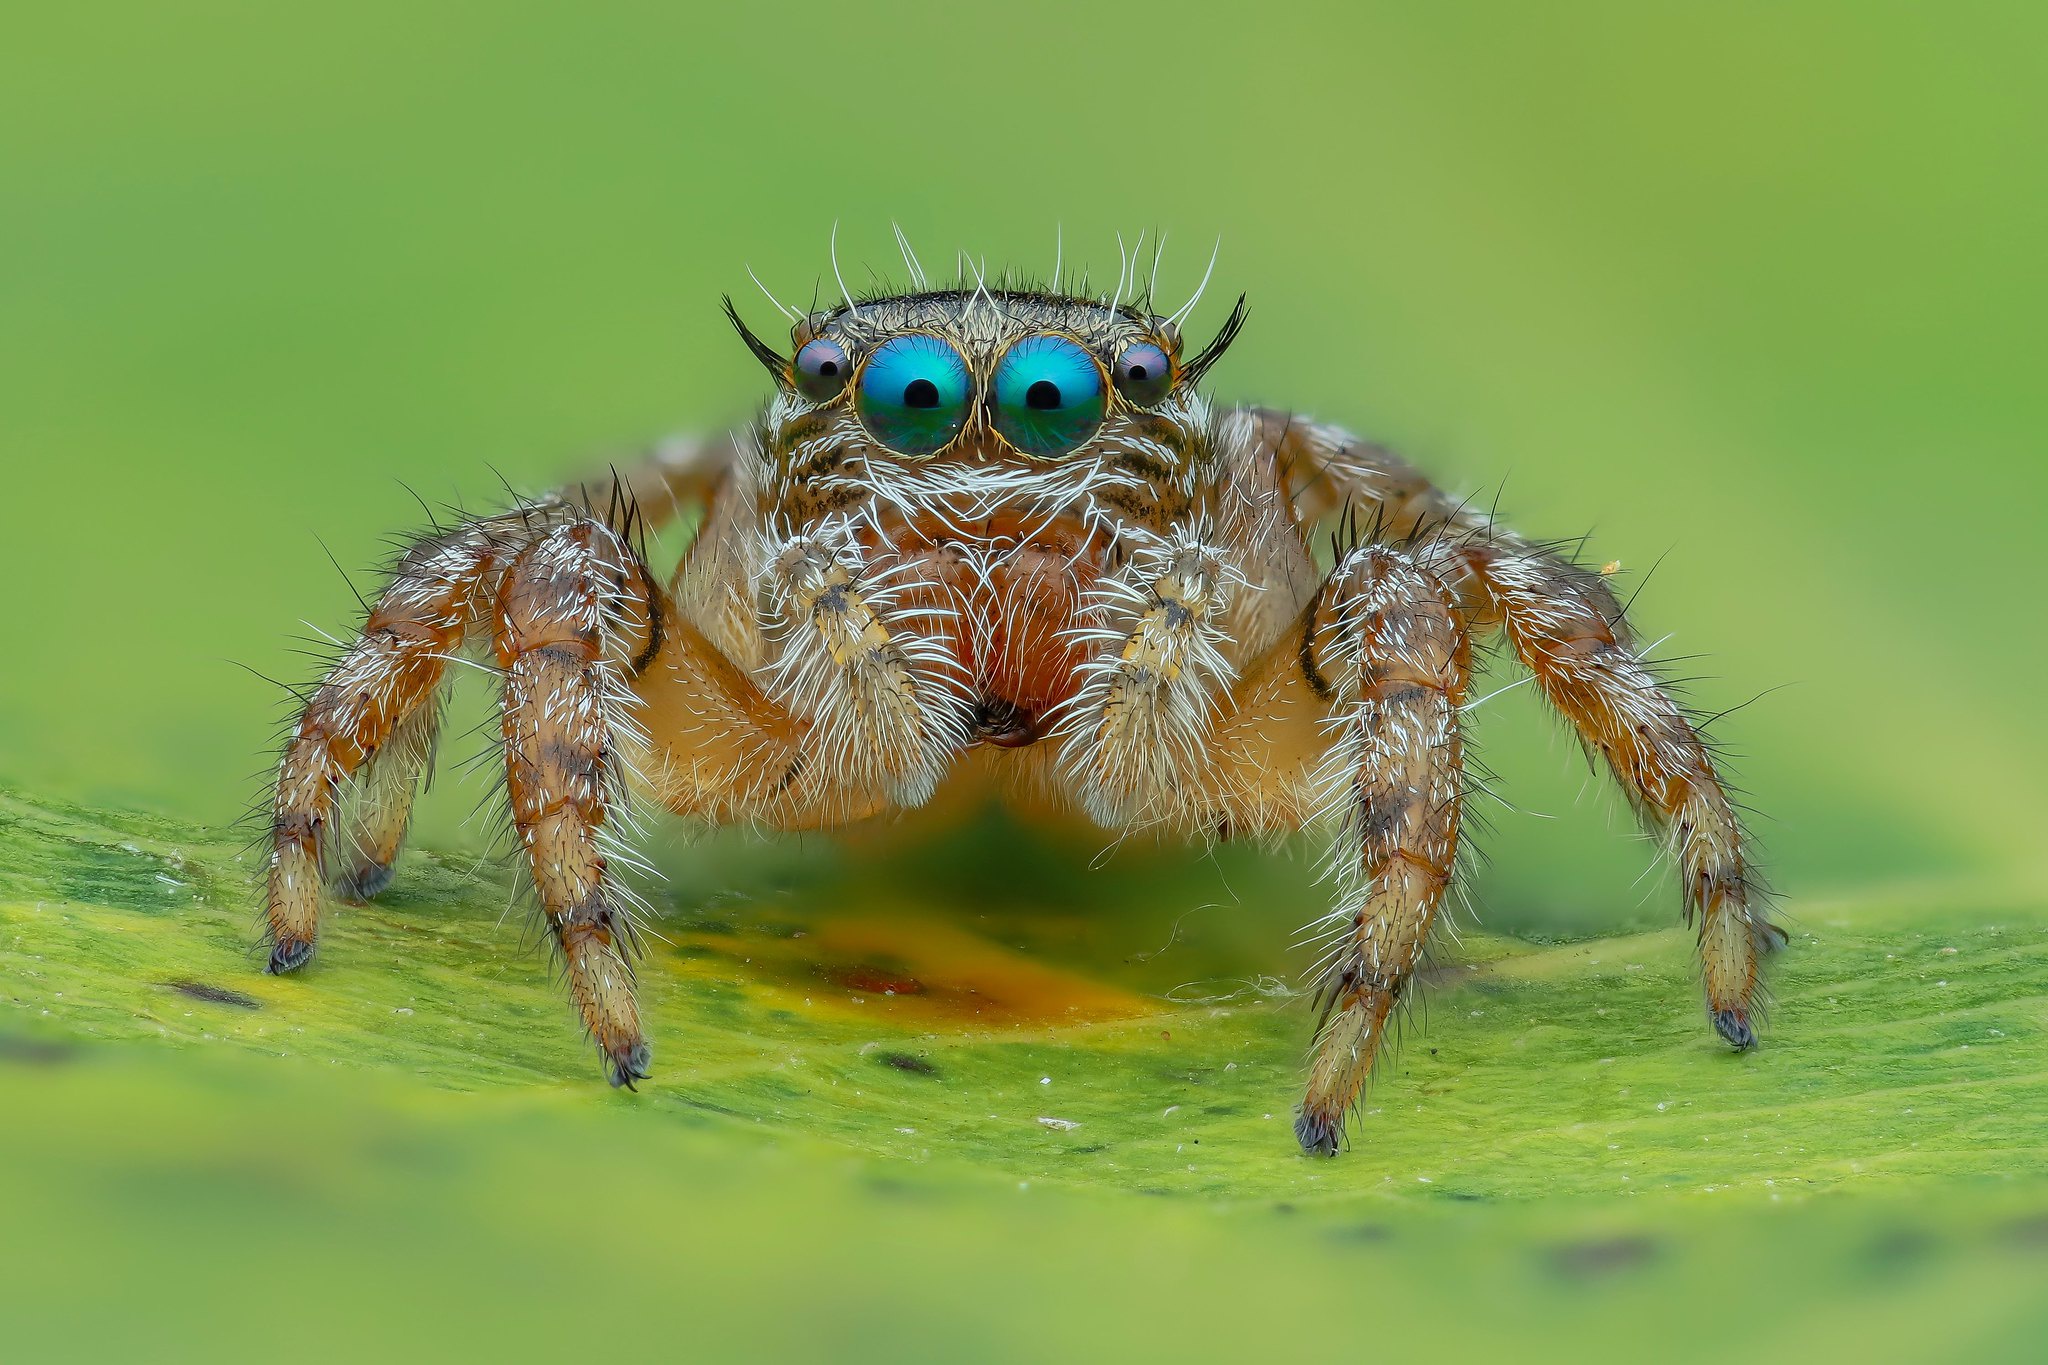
point(33, 1051)
point(1602, 1256)
point(1362, 1232)
point(1900, 1248)
point(218, 995)
point(903, 1061)
point(888, 1188)
point(2031, 1233)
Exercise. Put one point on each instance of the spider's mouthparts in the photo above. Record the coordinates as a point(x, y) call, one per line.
point(1001, 722)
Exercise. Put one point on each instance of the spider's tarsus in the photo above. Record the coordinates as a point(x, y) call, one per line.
point(1317, 1134)
point(288, 955)
point(629, 1063)
point(1733, 1025)
point(364, 882)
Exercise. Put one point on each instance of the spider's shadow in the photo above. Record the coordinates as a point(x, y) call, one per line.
point(1150, 916)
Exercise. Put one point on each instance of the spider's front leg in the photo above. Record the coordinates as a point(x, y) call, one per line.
point(1352, 718)
point(575, 613)
point(1384, 648)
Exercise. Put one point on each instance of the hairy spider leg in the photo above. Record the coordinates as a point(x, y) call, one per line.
point(1385, 641)
point(1566, 626)
point(576, 609)
point(374, 706)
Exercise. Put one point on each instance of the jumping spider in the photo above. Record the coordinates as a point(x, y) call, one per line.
point(1001, 528)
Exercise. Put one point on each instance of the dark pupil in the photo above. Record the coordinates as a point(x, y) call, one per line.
point(1043, 396)
point(920, 393)
point(1137, 372)
point(828, 367)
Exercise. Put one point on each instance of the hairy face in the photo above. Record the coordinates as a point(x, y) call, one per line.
point(986, 396)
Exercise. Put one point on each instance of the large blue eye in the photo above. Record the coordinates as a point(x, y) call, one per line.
point(913, 394)
point(1049, 398)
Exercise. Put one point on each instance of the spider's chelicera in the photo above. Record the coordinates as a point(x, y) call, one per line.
point(1002, 529)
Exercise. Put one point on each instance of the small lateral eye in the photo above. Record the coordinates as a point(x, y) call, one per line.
point(1144, 374)
point(822, 369)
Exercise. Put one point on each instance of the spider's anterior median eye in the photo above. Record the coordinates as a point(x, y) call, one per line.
point(1144, 375)
point(822, 369)
point(1049, 397)
point(913, 394)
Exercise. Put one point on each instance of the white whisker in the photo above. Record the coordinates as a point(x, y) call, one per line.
point(845, 295)
point(780, 307)
point(910, 261)
point(1200, 289)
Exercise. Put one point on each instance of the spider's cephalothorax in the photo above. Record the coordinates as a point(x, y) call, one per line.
point(1001, 528)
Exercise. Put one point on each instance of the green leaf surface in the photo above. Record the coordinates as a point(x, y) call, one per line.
point(890, 1121)
point(1906, 1040)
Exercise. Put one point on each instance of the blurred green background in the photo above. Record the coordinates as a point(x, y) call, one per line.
point(1753, 291)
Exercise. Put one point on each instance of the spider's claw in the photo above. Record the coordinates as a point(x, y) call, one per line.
point(288, 955)
point(1733, 1025)
point(628, 1063)
point(1317, 1134)
point(364, 882)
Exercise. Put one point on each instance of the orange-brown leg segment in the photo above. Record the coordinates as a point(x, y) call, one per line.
point(1567, 628)
point(378, 807)
point(1385, 645)
point(574, 613)
point(1351, 718)
point(367, 703)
